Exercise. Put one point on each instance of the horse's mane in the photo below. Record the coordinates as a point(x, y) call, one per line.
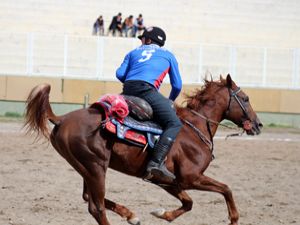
point(205, 93)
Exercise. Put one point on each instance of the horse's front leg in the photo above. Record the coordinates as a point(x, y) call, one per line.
point(185, 200)
point(208, 184)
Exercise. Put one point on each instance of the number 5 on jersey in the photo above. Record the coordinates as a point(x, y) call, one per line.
point(147, 55)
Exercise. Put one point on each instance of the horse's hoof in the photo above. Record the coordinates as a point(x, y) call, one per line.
point(158, 212)
point(134, 221)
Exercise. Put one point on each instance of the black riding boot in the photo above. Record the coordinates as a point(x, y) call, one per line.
point(156, 166)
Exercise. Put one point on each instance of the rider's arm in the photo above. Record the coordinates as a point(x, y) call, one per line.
point(122, 70)
point(175, 79)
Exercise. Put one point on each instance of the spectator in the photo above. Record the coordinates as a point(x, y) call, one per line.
point(116, 25)
point(98, 27)
point(128, 26)
point(138, 26)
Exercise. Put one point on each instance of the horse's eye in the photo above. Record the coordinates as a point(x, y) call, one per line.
point(246, 99)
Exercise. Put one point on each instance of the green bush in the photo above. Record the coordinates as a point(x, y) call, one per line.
point(278, 125)
point(13, 114)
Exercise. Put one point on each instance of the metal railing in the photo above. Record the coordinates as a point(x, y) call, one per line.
point(94, 57)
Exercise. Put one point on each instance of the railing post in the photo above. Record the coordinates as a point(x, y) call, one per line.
point(100, 55)
point(200, 64)
point(232, 61)
point(29, 55)
point(134, 44)
point(296, 71)
point(265, 58)
point(86, 100)
point(65, 55)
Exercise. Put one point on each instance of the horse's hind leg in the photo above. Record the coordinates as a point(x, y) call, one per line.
point(122, 211)
point(208, 184)
point(119, 209)
point(96, 192)
point(85, 194)
point(187, 204)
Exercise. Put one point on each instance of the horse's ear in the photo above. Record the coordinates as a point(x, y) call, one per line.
point(229, 81)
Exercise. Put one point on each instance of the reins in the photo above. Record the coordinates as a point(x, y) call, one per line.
point(219, 124)
point(211, 121)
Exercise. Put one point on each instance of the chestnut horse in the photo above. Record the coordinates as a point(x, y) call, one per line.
point(79, 138)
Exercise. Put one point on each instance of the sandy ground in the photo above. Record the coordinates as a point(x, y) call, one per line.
point(38, 187)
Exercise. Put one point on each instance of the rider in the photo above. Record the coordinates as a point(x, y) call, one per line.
point(142, 73)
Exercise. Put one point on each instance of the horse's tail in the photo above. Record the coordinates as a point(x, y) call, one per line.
point(38, 111)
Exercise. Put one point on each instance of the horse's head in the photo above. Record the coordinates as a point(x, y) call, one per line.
point(239, 109)
point(218, 100)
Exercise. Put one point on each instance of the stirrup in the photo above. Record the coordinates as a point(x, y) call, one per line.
point(147, 176)
point(159, 171)
point(162, 171)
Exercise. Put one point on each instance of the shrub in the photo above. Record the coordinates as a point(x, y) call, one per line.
point(13, 114)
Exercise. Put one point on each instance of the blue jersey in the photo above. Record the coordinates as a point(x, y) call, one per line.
point(151, 63)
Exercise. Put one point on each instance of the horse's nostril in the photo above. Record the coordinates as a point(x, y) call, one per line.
point(260, 125)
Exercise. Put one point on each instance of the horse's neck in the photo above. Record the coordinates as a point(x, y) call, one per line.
point(212, 115)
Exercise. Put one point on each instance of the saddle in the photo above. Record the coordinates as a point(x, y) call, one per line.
point(129, 117)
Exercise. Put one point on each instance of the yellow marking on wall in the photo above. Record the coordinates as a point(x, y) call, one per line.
point(17, 88)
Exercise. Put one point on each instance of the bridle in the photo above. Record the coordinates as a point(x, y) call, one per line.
point(209, 141)
point(233, 94)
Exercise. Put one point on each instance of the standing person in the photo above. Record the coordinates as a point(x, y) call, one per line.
point(128, 26)
point(139, 26)
point(116, 25)
point(98, 27)
point(142, 73)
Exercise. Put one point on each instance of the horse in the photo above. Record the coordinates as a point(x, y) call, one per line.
point(80, 139)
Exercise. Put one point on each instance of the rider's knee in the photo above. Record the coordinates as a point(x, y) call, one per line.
point(176, 125)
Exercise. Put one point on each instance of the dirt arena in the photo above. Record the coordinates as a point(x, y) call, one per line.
point(37, 187)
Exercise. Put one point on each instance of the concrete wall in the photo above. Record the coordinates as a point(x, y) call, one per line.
point(274, 106)
point(13, 88)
